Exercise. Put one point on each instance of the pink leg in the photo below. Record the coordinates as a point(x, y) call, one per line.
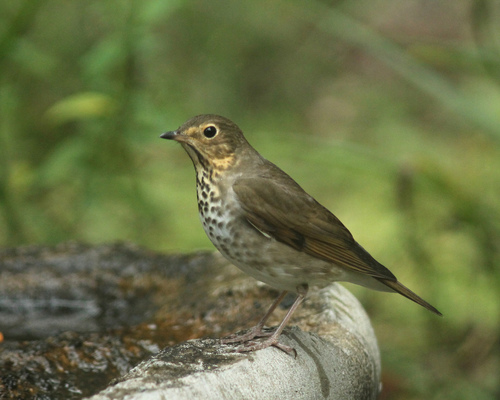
point(256, 331)
point(272, 340)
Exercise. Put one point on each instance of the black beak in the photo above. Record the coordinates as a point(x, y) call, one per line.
point(169, 135)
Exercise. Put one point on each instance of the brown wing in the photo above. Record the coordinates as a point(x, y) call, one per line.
point(279, 207)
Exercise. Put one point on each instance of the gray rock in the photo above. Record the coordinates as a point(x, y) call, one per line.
point(110, 307)
point(337, 359)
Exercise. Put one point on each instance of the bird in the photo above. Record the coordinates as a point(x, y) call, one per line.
point(264, 223)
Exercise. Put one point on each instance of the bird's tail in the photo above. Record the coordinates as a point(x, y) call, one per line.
point(403, 290)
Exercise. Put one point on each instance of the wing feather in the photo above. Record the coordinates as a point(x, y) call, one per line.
point(283, 210)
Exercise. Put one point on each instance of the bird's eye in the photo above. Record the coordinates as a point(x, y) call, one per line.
point(210, 131)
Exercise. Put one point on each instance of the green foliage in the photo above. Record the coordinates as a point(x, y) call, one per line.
point(387, 112)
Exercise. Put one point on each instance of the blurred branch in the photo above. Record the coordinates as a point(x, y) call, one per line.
point(11, 211)
point(465, 208)
point(17, 27)
point(356, 33)
point(483, 28)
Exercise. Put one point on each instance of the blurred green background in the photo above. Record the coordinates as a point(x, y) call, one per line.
point(388, 112)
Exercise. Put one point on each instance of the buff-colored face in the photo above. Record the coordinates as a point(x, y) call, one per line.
point(210, 140)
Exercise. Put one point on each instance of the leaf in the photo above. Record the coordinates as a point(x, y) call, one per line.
point(80, 106)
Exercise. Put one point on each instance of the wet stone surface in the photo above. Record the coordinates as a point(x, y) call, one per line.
point(73, 317)
point(78, 320)
point(44, 291)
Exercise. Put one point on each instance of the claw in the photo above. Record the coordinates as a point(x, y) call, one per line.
point(255, 332)
point(247, 344)
point(254, 346)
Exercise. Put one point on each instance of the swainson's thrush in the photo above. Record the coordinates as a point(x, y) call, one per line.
point(262, 221)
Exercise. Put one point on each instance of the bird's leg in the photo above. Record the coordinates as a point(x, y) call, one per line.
point(272, 340)
point(256, 331)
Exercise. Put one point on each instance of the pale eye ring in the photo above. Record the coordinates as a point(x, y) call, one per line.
point(210, 131)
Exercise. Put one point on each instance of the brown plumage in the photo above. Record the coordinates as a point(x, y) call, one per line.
point(267, 225)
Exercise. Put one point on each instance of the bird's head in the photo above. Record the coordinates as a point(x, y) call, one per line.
point(210, 140)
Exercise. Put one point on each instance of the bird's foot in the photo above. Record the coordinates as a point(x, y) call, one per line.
point(255, 332)
point(247, 344)
point(250, 345)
